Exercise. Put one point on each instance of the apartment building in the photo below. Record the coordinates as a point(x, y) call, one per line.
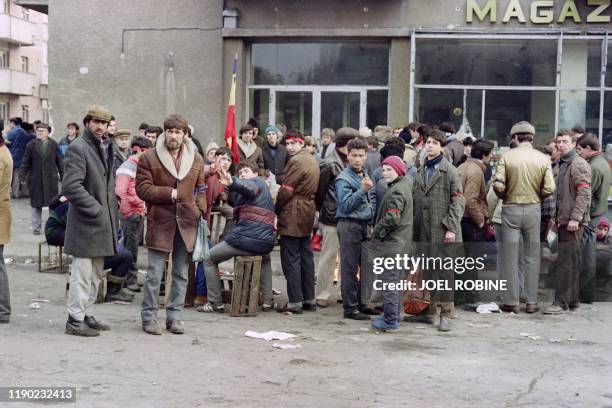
point(23, 63)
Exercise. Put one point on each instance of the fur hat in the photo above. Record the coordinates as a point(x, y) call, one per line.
point(522, 127)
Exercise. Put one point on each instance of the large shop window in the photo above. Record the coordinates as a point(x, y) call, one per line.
point(320, 64)
point(493, 62)
point(484, 85)
point(311, 86)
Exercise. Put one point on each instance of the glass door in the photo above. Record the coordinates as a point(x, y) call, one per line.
point(340, 109)
point(294, 110)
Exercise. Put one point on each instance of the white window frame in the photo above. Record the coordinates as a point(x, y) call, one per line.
point(557, 88)
point(316, 100)
point(4, 111)
point(25, 113)
point(4, 59)
point(25, 13)
point(25, 64)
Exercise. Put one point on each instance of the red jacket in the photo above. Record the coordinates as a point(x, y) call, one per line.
point(125, 189)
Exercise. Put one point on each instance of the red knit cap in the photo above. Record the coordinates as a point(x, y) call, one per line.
point(396, 164)
point(294, 135)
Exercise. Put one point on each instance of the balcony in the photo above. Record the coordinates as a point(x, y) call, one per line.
point(17, 82)
point(41, 6)
point(16, 30)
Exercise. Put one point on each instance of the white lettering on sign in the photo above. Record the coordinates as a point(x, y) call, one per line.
point(540, 11)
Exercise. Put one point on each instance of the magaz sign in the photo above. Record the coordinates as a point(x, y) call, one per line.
point(539, 12)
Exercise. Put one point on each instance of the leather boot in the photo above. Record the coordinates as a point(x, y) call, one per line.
point(78, 328)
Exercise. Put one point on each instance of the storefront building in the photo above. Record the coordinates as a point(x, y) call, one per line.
point(482, 64)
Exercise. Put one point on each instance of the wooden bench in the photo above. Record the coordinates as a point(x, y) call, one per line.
point(245, 291)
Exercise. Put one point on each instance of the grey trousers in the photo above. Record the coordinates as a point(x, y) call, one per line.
point(517, 221)
point(5, 296)
point(224, 251)
point(500, 260)
point(324, 287)
point(86, 276)
point(355, 292)
point(155, 271)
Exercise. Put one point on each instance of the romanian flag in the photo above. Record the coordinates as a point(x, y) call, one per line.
point(230, 120)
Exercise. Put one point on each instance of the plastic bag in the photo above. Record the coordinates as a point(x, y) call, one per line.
point(201, 250)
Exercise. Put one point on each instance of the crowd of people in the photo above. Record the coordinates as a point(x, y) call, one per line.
point(421, 186)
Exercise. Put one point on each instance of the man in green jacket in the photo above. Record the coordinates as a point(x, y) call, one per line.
point(394, 228)
point(587, 147)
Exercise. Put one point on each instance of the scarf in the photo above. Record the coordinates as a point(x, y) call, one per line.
point(430, 166)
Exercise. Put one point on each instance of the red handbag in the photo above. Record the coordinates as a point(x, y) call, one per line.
point(415, 301)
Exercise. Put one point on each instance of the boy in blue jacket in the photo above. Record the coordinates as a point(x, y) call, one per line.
point(356, 201)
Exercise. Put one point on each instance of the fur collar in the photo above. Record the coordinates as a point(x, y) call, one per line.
point(166, 160)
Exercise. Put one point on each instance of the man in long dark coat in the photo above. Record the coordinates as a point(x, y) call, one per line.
point(41, 165)
point(91, 231)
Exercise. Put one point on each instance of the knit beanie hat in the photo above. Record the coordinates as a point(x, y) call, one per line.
point(344, 135)
point(270, 128)
point(211, 146)
point(396, 164)
point(604, 223)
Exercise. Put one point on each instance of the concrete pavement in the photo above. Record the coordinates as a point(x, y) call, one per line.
point(485, 361)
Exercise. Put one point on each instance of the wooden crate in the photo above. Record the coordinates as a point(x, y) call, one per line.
point(245, 293)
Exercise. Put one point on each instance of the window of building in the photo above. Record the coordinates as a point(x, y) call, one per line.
point(607, 119)
point(25, 13)
point(25, 64)
point(5, 6)
point(458, 61)
point(3, 112)
point(4, 59)
point(25, 113)
point(310, 86)
point(484, 84)
point(320, 64)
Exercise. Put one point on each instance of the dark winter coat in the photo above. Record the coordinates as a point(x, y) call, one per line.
point(276, 164)
point(573, 190)
point(253, 229)
point(41, 170)
point(372, 161)
point(380, 185)
point(295, 205)
point(156, 177)
point(17, 139)
point(438, 205)
point(89, 185)
point(395, 218)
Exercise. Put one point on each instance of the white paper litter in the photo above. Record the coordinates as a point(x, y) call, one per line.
point(530, 336)
point(286, 346)
point(35, 305)
point(270, 335)
point(40, 300)
point(486, 308)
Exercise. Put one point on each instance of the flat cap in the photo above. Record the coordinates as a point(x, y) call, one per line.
point(43, 125)
point(100, 113)
point(122, 133)
point(522, 127)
